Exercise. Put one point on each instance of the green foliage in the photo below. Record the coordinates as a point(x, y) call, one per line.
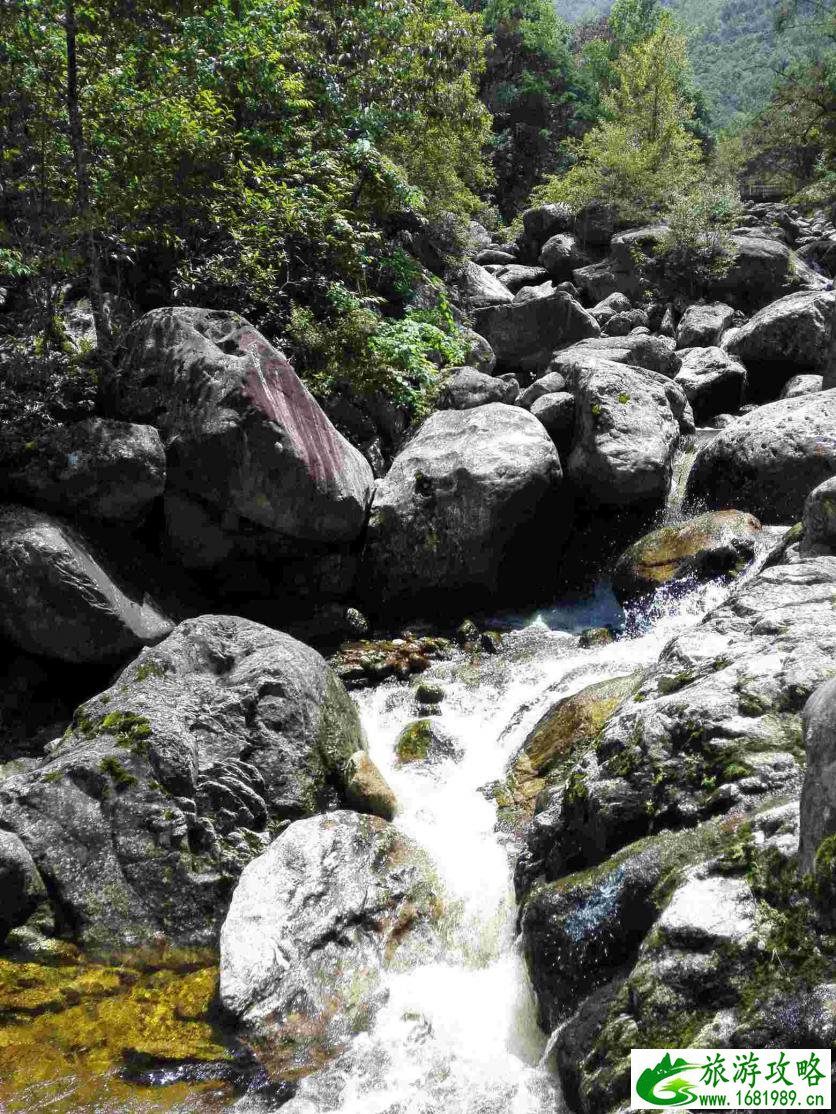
point(238, 149)
point(698, 248)
point(642, 151)
point(354, 346)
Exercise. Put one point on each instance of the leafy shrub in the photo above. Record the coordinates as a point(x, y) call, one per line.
point(698, 247)
point(353, 346)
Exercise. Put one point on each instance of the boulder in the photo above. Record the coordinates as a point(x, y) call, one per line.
point(495, 256)
point(764, 269)
point(515, 277)
point(609, 307)
point(425, 740)
point(560, 255)
point(544, 221)
point(22, 891)
point(480, 355)
point(467, 388)
point(548, 384)
point(554, 744)
point(769, 461)
point(786, 337)
point(480, 289)
point(818, 797)
point(459, 511)
point(598, 281)
point(170, 781)
point(595, 223)
point(243, 433)
point(802, 385)
point(96, 468)
point(623, 324)
point(527, 333)
point(644, 241)
point(819, 519)
point(531, 293)
point(639, 350)
point(313, 923)
point(713, 382)
point(720, 543)
point(61, 599)
point(557, 413)
point(625, 436)
point(702, 326)
point(366, 789)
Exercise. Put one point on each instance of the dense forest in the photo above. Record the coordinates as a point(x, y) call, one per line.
point(316, 165)
point(738, 48)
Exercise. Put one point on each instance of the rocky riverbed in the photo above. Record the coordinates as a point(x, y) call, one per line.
point(338, 783)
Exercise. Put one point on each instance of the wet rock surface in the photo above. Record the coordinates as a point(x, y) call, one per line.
point(312, 923)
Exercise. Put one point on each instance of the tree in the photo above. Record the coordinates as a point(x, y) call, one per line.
point(643, 150)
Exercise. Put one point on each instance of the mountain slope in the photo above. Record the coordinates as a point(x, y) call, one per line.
point(735, 50)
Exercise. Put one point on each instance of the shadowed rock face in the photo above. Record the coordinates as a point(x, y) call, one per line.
point(168, 783)
point(818, 798)
point(96, 468)
point(243, 433)
point(527, 333)
point(769, 461)
point(60, 599)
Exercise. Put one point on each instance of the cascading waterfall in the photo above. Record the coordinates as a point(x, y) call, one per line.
point(459, 1033)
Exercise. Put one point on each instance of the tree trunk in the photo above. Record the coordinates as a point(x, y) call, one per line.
point(104, 337)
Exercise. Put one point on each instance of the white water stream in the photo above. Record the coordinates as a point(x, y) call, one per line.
point(460, 1035)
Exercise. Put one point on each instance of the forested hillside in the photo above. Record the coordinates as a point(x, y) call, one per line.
point(736, 49)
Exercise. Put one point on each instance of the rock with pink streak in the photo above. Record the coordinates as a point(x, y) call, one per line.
point(243, 434)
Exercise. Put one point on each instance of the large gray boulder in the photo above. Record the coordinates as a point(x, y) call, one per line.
point(638, 350)
point(713, 382)
point(462, 505)
point(702, 326)
point(625, 435)
point(818, 797)
point(467, 388)
point(22, 891)
point(313, 923)
point(763, 269)
point(789, 336)
point(169, 782)
point(560, 255)
point(802, 385)
point(769, 461)
point(527, 333)
point(243, 434)
point(59, 598)
point(96, 468)
point(544, 221)
point(516, 277)
point(479, 288)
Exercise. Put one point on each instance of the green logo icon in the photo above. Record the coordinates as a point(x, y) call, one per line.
point(658, 1086)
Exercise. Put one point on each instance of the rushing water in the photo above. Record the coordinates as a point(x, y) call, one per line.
point(459, 1034)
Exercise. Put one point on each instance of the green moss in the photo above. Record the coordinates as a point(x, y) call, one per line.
point(68, 1029)
point(149, 669)
point(596, 409)
point(623, 398)
point(668, 685)
point(120, 777)
point(54, 776)
point(414, 741)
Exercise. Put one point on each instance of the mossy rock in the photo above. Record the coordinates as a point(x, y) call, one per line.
point(720, 543)
point(555, 744)
point(423, 740)
point(67, 1030)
